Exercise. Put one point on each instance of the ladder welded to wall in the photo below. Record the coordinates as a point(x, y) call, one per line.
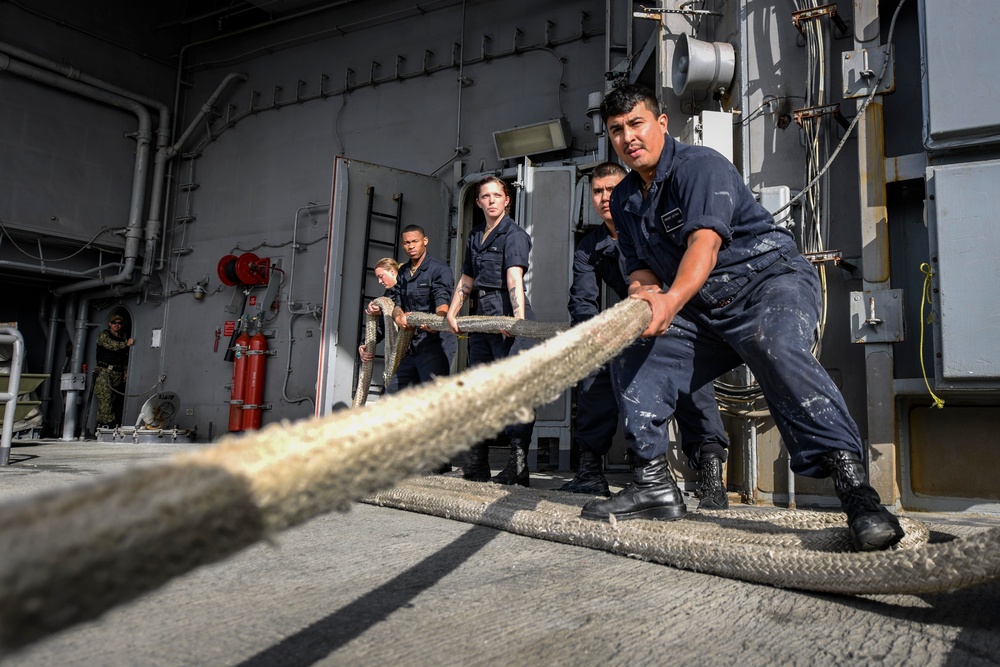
point(390, 246)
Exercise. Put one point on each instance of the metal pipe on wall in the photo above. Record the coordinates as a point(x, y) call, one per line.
point(69, 319)
point(79, 345)
point(49, 271)
point(48, 389)
point(133, 232)
point(293, 312)
point(154, 223)
point(875, 259)
point(168, 153)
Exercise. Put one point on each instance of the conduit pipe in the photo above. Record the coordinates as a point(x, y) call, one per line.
point(133, 231)
point(49, 271)
point(76, 363)
point(172, 151)
point(154, 224)
point(48, 389)
point(69, 318)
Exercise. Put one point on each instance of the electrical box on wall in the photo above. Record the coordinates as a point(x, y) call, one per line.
point(775, 198)
point(962, 200)
point(713, 129)
point(956, 73)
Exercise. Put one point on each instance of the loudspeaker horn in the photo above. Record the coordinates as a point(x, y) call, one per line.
point(699, 65)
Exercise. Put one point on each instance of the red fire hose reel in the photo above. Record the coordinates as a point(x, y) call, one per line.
point(247, 269)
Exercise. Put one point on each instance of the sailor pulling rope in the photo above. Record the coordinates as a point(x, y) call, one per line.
point(69, 556)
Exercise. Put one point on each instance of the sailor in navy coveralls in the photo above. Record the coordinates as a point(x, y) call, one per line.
point(425, 285)
point(496, 259)
point(598, 261)
point(739, 292)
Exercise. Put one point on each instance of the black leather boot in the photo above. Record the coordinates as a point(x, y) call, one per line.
point(872, 526)
point(477, 463)
point(589, 479)
point(516, 471)
point(713, 491)
point(652, 495)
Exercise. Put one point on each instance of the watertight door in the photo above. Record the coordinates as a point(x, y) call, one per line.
point(369, 205)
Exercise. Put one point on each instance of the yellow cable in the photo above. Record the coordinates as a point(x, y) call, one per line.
point(924, 299)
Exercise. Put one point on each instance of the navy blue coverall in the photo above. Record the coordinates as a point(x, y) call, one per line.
point(430, 352)
point(598, 260)
point(487, 263)
point(759, 306)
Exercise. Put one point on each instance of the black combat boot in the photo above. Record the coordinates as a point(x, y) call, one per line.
point(477, 463)
point(589, 479)
point(713, 491)
point(516, 471)
point(872, 526)
point(652, 495)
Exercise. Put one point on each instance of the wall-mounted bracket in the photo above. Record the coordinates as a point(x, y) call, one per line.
point(877, 316)
point(808, 113)
point(861, 69)
point(800, 17)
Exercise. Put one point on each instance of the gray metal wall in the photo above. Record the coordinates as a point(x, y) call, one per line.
point(247, 174)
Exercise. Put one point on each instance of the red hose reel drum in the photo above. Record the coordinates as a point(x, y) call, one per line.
point(247, 269)
point(227, 270)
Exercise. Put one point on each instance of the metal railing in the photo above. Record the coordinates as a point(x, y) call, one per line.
point(9, 397)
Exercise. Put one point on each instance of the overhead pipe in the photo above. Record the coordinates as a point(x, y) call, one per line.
point(50, 271)
point(172, 151)
point(153, 231)
point(264, 24)
point(133, 231)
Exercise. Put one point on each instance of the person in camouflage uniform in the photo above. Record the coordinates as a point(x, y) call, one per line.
point(112, 362)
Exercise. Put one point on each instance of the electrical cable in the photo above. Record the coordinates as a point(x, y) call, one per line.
point(857, 117)
point(85, 246)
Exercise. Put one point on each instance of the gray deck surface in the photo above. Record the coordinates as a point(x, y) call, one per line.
point(378, 586)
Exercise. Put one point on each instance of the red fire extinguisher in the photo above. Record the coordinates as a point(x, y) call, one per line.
point(254, 394)
point(236, 396)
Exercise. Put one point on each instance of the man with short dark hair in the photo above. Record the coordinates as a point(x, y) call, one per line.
point(597, 261)
point(109, 380)
point(424, 285)
point(739, 292)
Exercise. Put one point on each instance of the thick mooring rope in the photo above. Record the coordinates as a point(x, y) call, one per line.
point(790, 549)
point(70, 555)
point(396, 345)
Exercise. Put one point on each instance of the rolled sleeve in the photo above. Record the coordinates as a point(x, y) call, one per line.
point(516, 249)
point(442, 287)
